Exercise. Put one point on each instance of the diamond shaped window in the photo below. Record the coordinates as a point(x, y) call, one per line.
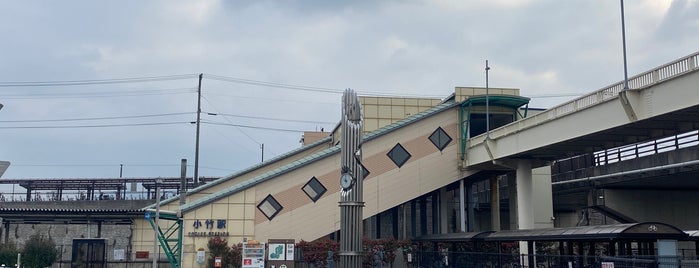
point(314, 189)
point(365, 172)
point(440, 138)
point(270, 207)
point(398, 155)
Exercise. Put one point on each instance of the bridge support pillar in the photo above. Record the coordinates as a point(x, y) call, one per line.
point(443, 207)
point(525, 195)
point(494, 204)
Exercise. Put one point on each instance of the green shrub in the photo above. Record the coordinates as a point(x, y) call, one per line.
point(231, 257)
point(39, 252)
point(8, 254)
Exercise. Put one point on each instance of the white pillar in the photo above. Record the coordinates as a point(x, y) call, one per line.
point(494, 204)
point(525, 206)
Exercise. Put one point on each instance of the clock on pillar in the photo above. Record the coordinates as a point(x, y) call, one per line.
point(346, 179)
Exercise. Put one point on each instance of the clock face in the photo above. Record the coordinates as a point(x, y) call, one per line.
point(346, 181)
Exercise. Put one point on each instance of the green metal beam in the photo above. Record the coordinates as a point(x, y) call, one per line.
point(171, 238)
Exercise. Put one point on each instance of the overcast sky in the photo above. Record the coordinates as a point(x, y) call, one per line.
point(274, 68)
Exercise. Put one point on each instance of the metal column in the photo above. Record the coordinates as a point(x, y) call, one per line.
point(351, 197)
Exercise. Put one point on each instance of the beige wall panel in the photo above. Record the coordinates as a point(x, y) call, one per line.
point(384, 112)
point(250, 211)
point(384, 101)
point(236, 227)
point(249, 228)
point(203, 212)
point(250, 196)
point(219, 211)
point(398, 112)
point(237, 198)
point(370, 111)
point(236, 211)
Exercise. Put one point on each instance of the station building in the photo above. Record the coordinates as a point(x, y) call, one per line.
point(414, 181)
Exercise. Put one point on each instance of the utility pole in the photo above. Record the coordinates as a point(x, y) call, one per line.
point(487, 106)
point(623, 41)
point(156, 248)
point(183, 181)
point(196, 147)
point(262, 146)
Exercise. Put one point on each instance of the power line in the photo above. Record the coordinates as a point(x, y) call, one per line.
point(96, 126)
point(130, 93)
point(97, 81)
point(273, 84)
point(229, 121)
point(275, 119)
point(253, 127)
point(92, 118)
point(307, 88)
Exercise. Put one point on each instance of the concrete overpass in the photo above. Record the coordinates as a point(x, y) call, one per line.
point(659, 103)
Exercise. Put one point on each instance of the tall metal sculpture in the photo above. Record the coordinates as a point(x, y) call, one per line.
point(351, 199)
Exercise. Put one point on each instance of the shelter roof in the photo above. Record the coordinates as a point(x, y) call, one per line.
point(646, 230)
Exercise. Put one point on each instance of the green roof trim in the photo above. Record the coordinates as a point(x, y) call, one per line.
point(497, 100)
point(243, 185)
point(244, 171)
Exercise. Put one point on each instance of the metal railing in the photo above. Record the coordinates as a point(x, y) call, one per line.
point(67, 196)
point(580, 164)
point(665, 72)
point(491, 260)
point(637, 150)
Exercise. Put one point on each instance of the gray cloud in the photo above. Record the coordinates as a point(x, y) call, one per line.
point(391, 47)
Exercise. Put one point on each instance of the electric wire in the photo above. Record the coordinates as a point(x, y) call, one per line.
point(97, 81)
point(232, 124)
point(306, 88)
point(93, 118)
point(254, 127)
point(96, 126)
point(273, 119)
point(276, 99)
point(111, 94)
